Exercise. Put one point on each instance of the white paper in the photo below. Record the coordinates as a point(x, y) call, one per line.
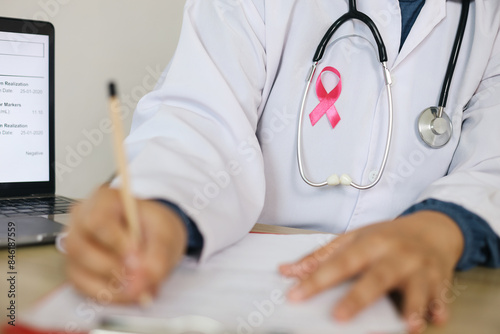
point(240, 287)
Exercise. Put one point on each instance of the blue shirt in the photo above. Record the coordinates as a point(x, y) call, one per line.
point(409, 13)
point(481, 244)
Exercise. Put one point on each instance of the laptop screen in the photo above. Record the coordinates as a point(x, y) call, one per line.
point(26, 104)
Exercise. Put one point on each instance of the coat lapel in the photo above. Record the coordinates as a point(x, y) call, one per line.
point(433, 12)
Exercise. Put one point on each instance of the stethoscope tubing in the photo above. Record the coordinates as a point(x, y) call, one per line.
point(299, 130)
point(388, 83)
point(452, 63)
point(353, 14)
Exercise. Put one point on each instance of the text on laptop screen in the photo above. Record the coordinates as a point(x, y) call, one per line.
point(24, 107)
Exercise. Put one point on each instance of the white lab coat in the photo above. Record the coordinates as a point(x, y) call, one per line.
point(218, 135)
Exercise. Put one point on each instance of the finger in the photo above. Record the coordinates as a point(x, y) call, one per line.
point(156, 265)
point(379, 279)
point(333, 271)
point(438, 310)
point(155, 256)
point(310, 263)
point(90, 256)
point(102, 290)
point(416, 297)
point(101, 219)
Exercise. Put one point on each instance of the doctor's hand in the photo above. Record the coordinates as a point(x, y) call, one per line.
point(101, 261)
point(415, 255)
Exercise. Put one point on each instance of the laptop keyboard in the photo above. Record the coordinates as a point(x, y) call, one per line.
point(34, 206)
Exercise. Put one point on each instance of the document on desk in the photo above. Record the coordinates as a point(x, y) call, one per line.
point(240, 287)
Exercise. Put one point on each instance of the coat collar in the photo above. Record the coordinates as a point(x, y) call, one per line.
point(433, 12)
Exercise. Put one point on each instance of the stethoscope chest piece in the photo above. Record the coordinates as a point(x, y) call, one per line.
point(434, 130)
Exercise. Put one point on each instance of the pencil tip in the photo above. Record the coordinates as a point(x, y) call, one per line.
point(112, 89)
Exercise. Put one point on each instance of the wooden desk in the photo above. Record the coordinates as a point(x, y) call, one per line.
point(475, 310)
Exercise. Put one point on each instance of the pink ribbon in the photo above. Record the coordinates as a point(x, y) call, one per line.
point(327, 100)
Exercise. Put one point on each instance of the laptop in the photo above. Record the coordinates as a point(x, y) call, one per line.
point(30, 212)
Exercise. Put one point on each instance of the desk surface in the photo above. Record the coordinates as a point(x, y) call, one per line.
point(475, 307)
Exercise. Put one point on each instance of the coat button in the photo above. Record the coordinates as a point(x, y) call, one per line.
point(373, 175)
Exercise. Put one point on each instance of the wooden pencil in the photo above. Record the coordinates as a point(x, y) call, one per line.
point(131, 213)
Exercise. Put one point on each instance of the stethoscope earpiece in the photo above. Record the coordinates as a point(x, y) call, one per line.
point(335, 180)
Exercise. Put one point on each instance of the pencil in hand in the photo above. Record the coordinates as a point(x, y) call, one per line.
point(129, 203)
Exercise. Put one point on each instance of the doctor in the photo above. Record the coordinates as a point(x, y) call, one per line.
point(214, 149)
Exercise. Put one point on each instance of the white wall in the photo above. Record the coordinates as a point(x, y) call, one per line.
point(96, 41)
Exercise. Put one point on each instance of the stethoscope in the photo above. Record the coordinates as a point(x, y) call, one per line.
point(434, 125)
